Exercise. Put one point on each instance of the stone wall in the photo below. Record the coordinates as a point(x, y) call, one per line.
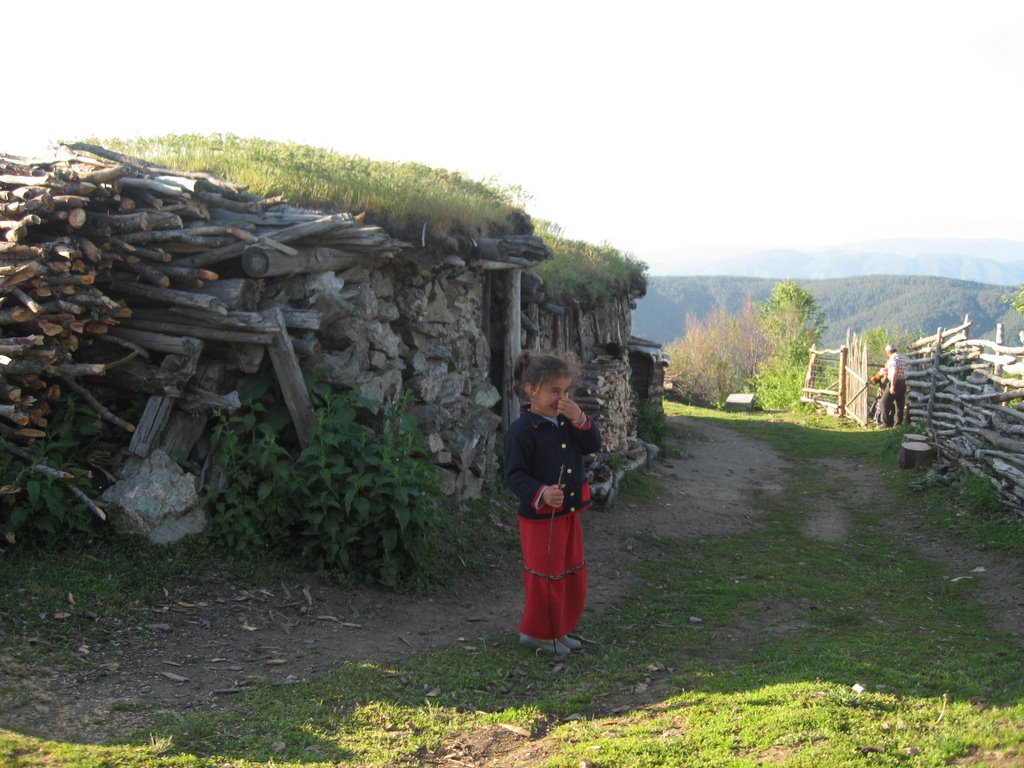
point(392, 329)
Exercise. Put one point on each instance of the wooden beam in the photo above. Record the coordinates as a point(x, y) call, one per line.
point(289, 376)
point(513, 344)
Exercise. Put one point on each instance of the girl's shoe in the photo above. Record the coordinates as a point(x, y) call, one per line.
point(570, 642)
point(549, 646)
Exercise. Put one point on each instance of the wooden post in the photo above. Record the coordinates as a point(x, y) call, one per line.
point(843, 355)
point(289, 376)
point(513, 344)
point(935, 379)
point(809, 377)
point(864, 373)
point(998, 370)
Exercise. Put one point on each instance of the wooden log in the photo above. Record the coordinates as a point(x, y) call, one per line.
point(999, 441)
point(74, 490)
point(198, 399)
point(914, 453)
point(170, 296)
point(105, 413)
point(140, 376)
point(18, 208)
point(150, 274)
point(288, 234)
point(176, 188)
point(14, 414)
point(183, 431)
point(157, 342)
point(261, 261)
point(177, 237)
point(151, 254)
point(928, 341)
point(996, 347)
point(234, 320)
point(106, 175)
point(302, 319)
point(20, 274)
point(119, 223)
point(10, 393)
point(197, 331)
point(289, 376)
point(239, 293)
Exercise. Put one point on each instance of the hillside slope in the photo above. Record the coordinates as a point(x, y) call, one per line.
point(915, 304)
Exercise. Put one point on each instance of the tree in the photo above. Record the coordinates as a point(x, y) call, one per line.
point(791, 323)
point(717, 356)
point(791, 320)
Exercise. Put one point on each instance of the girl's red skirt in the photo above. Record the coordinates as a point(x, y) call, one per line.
point(554, 575)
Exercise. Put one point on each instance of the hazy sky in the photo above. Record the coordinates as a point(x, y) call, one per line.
point(670, 130)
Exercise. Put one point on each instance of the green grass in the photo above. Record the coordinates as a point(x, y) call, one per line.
point(586, 271)
point(403, 194)
point(788, 627)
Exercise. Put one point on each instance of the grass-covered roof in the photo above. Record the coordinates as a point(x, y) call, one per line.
point(402, 197)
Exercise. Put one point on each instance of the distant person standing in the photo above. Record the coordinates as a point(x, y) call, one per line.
point(894, 397)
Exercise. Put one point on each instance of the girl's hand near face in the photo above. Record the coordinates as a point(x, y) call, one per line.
point(568, 408)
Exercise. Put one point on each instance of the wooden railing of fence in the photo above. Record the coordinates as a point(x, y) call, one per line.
point(969, 393)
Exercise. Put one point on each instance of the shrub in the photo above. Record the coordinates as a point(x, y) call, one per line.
point(980, 499)
point(792, 323)
point(357, 499)
point(716, 357)
point(37, 508)
point(778, 384)
point(651, 425)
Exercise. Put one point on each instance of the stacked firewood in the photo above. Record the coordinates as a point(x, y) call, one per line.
point(104, 259)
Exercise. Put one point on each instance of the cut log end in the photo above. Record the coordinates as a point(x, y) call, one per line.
point(914, 453)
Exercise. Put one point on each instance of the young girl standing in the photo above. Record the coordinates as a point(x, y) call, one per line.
point(544, 451)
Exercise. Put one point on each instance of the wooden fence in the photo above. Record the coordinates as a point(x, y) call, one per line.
point(966, 395)
point(969, 394)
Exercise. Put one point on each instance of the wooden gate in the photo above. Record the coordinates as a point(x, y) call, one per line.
point(838, 379)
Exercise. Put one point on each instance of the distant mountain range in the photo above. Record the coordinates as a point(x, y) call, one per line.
point(995, 262)
point(913, 304)
point(910, 285)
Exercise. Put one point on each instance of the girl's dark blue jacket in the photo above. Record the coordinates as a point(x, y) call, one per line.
point(535, 451)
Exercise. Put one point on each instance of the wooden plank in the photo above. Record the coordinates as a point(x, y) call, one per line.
point(151, 425)
point(513, 345)
point(289, 376)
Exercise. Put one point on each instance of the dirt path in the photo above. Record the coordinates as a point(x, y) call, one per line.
point(210, 640)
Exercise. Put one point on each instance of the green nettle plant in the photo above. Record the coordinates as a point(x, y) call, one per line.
point(651, 425)
point(35, 506)
point(252, 508)
point(358, 499)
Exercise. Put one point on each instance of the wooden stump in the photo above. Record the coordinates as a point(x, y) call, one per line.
point(914, 452)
